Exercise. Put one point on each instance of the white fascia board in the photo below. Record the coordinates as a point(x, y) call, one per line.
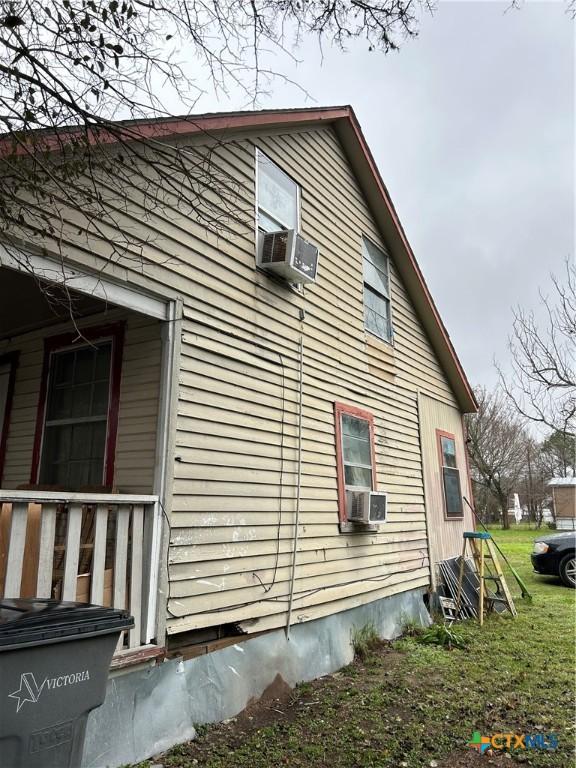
point(97, 286)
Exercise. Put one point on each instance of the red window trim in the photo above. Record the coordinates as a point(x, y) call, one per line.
point(115, 332)
point(11, 359)
point(350, 410)
point(468, 473)
point(441, 433)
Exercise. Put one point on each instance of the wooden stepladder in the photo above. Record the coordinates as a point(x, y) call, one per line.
point(489, 571)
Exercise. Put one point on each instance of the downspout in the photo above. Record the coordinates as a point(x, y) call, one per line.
point(298, 483)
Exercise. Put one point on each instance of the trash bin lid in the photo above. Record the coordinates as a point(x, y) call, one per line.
point(37, 621)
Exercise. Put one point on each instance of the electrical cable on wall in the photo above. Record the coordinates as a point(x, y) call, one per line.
point(302, 595)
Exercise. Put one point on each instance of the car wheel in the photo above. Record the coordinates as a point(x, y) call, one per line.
point(568, 570)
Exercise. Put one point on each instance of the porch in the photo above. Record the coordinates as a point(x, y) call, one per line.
point(83, 432)
point(88, 548)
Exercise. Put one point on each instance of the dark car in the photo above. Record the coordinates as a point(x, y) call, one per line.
point(555, 555)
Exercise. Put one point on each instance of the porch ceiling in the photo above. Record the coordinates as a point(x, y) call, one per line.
point(25, 305)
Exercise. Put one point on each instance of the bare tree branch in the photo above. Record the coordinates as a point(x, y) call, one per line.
point(543, 381)
point(76, 75)
point(497, 440)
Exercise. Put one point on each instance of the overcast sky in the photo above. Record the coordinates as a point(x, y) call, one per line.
point(472, 126)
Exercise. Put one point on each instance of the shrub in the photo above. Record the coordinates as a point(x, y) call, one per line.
point(446, 637)
point(364, 640)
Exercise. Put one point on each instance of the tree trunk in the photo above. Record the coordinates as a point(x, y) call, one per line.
point(503, 499)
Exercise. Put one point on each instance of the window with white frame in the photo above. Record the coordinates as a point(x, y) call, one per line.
point(377, 316)
point(76, 416)
point(278, 197)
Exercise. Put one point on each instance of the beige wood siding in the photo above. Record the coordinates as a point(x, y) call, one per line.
point(232, 517)
point(139, 392)
point(445, 535)
point(237, 429)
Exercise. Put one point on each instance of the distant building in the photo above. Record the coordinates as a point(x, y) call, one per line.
point(564, 502)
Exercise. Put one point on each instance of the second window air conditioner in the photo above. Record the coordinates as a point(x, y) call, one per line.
point(366, 507)
point(288, 255)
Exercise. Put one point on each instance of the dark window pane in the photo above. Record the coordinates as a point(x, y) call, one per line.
point(452, 492)
point(355, 427)
point(63, 367)
point(98, 440)
point(84, 367)
point(78, 474)
point(81, 441)
point(94, 473)
point(60, 403)
point(100, 399)
point(57, 443)
point(102, 368)
point(81, 398)
point(448, 452)
point(358, 476)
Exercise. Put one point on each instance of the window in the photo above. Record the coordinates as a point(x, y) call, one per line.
point(354, 453)
point(377, 317)
point(8, 365)
point(278, 197)
point(450, 475)
point(79, 412)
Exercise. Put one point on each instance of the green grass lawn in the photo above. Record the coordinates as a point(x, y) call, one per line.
point(409, 705)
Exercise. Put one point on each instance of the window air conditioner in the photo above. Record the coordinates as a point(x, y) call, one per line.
point(366, 507)
point(287, 254)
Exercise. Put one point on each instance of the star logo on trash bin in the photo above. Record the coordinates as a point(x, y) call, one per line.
point(29, 690)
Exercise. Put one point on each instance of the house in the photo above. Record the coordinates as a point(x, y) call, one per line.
point(196, 442)
point(564, 502)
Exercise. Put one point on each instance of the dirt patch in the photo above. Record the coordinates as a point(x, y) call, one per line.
point(276, 701)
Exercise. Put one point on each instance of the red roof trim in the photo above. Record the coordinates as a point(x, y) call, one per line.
point(163, 128)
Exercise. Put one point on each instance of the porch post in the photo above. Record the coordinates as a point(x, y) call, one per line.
point(155, 620)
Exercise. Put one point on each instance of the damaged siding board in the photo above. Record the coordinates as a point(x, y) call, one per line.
point(137, 417)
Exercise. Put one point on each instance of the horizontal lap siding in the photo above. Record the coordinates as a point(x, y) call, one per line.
point(232, 529)
point(139, 392)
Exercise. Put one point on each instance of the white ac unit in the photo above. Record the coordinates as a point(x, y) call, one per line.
point(287, 254)
point(366, 507)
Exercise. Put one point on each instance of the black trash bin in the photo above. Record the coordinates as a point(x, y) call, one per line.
point(54, 662)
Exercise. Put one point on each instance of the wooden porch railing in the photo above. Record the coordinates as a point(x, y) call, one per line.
point(97, 548)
